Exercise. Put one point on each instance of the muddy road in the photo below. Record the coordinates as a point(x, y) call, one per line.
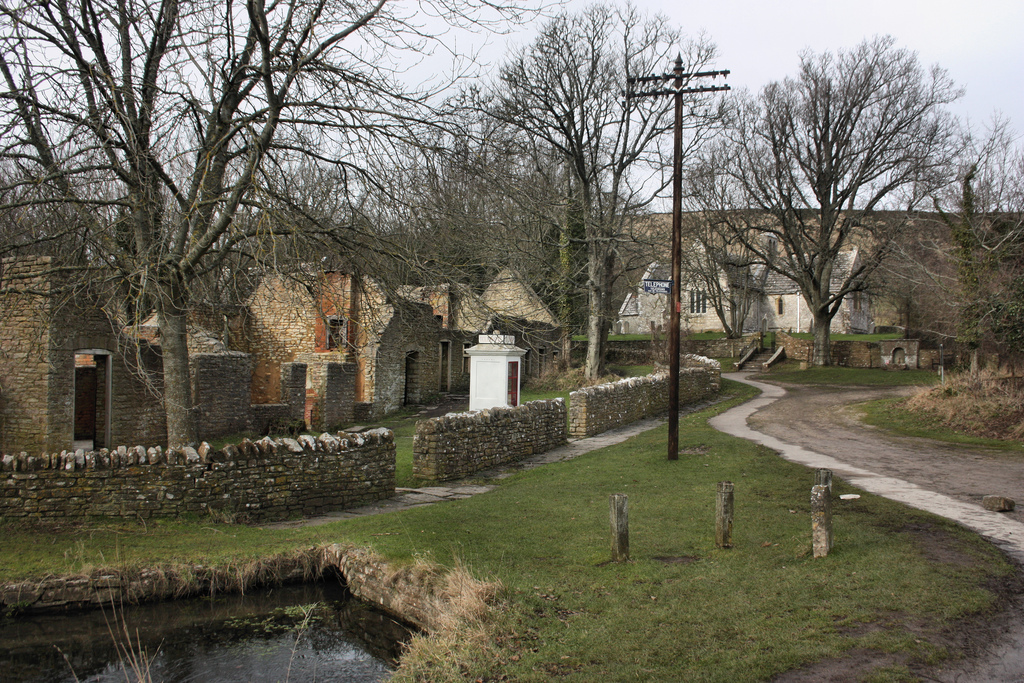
point(827, 420)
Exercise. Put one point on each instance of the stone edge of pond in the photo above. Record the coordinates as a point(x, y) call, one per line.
point(421, 594)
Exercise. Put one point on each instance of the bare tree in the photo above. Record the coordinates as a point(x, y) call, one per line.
point(809, 158)
point(154, 123)
point(605, 156)
point(725, 271)
point(986, 239)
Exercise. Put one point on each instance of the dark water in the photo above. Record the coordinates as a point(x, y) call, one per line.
point(297, 634)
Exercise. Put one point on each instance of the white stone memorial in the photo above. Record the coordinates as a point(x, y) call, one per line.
point(494, 371)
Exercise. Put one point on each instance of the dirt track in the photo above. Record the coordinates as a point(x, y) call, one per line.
point(826, 420)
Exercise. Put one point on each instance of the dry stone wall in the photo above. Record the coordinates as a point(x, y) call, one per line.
point(851, 354)
point(221, 392)
point(597, 409)
point(459, 444)
point(266, 480)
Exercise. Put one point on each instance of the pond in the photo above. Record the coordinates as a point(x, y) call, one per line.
point(302, 633)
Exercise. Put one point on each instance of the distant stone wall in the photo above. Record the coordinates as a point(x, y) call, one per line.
point(644, 352)
point(851, 354)
point(266, 480)
point(597, 409)
point(718, 348)
point(856, 354)
point(796, 349)
point(459, 444)
point(899, 354)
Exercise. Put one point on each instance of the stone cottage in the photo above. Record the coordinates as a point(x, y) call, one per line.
point(775, 304)
point(368, 353)
point(66, 371)
point(508, 305)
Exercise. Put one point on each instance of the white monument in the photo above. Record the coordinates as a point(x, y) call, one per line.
point(494, 365)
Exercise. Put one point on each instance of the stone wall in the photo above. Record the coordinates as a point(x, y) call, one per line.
point(796, 349)
point(406, 363)
point(24, 331)
point(597, 409)
point(459, 444)
point(266, 480)
point(221, 393)
point(856, 354)
point(282, 322)
point(899, 354)
point(718, 348)
point(332, 389)
point(851, 354)
point(645, 352)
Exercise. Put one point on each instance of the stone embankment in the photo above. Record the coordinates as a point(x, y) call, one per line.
point(423, 595)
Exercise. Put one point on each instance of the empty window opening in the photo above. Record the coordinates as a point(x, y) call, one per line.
point(337, 333)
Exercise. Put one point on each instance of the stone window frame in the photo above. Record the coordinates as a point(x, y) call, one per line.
point(698, 301)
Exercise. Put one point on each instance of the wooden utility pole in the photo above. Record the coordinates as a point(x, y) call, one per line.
point(679, 79)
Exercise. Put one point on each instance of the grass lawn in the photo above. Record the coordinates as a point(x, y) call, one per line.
point(680, 610)
point(789, 371)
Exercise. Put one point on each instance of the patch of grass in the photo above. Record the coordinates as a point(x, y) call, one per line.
point(789, 371)
point(681, 609)
point(621, 337)
point(631, 370)
point(707, 614)
point(728, 364)
point(893, 415)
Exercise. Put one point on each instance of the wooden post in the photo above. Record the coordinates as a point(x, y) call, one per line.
point(823, 477)
point(821, 520)
point(723, 515)
point(620, 527)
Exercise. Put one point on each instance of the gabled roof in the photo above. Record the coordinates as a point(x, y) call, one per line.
point(631, 306)
point(510, 296)
point(777, 284)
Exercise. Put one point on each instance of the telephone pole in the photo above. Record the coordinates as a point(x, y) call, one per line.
point(679, 79)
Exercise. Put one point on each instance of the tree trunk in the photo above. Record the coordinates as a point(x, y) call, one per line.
point(172, 318)
point(822, 339)
point(596, 336)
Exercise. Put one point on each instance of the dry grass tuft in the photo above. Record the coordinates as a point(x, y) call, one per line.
point(990, 406)
point(461, 636)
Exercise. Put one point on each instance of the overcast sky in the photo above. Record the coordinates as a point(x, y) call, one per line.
point(979, 42)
